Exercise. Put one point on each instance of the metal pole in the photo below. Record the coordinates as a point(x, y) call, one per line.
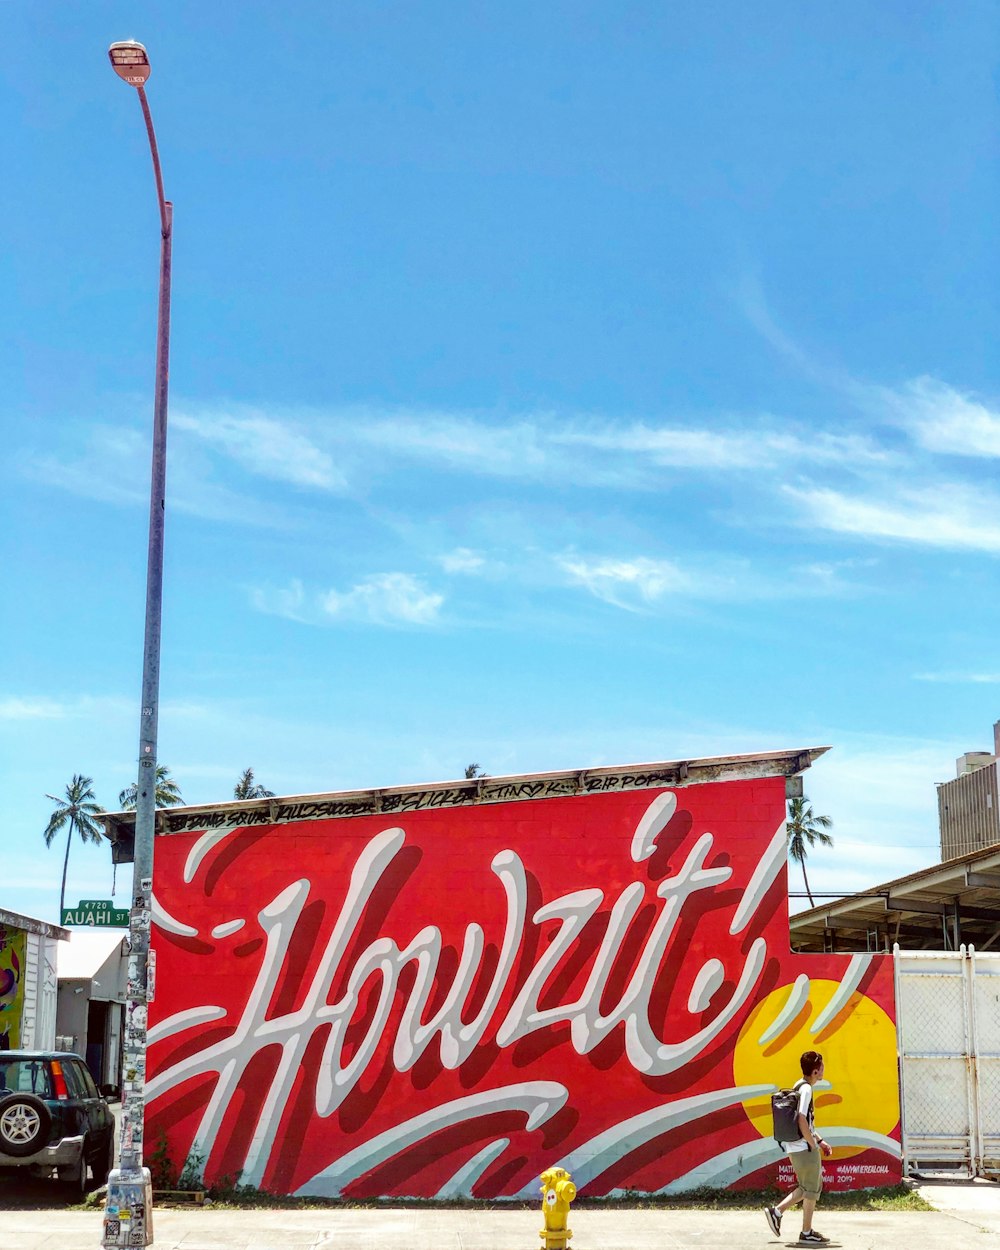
point(128, 1214)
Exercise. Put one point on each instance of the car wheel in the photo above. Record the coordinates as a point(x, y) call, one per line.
point(24, 1125)
point(73, 1176)
point(101, 1168)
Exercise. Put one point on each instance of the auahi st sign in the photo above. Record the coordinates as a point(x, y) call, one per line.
point(97, 913)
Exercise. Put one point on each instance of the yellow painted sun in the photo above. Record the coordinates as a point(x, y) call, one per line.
point(858, 1046)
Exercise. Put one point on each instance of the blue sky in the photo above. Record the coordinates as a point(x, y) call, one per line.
point(552, 385)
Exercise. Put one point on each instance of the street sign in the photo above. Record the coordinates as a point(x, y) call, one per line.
point(96, 913)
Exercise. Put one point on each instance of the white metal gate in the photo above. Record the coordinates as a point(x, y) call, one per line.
point(985, 976)
point(948, 1030)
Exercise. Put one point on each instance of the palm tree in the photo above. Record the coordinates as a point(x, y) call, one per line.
point(77, 810)
point(247, 788)
point(804, 831)
point(473, 770)
point(168, 792)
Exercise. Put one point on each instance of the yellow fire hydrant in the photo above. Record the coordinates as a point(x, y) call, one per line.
point(558, 1191)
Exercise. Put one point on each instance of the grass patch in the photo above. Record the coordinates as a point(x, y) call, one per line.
point(892, 1198)
point(895, 1198)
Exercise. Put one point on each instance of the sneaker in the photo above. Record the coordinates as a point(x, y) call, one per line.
point(774, 1219)
point(813, 1238)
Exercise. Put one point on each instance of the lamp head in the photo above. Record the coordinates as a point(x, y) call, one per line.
point(129, 61)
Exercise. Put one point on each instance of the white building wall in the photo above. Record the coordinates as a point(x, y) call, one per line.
point(38, 1018)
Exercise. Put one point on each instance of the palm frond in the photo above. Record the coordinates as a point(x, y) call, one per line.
point(166, 794)
point(247, 788)
point(56, 822)
point(804, 830)
point(88, 828)
point(80, 789)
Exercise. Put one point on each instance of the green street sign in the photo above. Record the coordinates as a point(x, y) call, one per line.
point(94, 912)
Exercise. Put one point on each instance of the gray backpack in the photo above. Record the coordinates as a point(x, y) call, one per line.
point(785, 1113)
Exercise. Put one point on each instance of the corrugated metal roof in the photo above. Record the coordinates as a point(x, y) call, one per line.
point(29, 924)
point(931, 909)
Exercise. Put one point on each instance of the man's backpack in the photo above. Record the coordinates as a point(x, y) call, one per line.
point(785, 1113)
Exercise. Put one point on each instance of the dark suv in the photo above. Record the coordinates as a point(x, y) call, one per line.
point(52, 1115)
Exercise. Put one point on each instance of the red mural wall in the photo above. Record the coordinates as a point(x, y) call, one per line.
point(445, 1002)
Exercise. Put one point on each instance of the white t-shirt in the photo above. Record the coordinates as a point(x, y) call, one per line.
point(806, 1109)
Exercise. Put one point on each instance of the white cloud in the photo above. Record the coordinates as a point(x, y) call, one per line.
point(289, 601)
point(950, 516)
point(266, 447)
point(627, 583)
point(942, 419)
point(43, 708)
point(385, 598)
point(826, 577)
point(13, 708)
point(380, 599)
point(974, 679)
point(462, 560)
point(113, 467)
point(639, 582)
point(565, 448)
point(506, 449)
point(322, 451)
point(754, 447)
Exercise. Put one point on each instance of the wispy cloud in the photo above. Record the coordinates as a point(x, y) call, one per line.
point(462, 560)
point(44, 708)
point(112, 466)
point(638, 583)
point(749, 296)
point(385, 599)
point(757, 445)
point(565, 447)
point(266, 447)
point(288, 601)
point(951, 516)
point(834, 577)
point(958, 678)
point(14, 709)
point(509, 448)
point(326, 448)
point(379, 599)
point(942, 419)
point(630, 584)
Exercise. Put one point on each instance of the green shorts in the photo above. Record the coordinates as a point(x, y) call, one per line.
point(808, 1171)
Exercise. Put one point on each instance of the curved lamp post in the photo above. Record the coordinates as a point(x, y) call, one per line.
point(128, 1213)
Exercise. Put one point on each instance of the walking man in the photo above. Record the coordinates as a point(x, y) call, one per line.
point(805, 1157)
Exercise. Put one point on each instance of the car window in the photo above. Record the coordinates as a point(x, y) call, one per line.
point(25, 1076)
point(88, 1081)
point(74, 1081)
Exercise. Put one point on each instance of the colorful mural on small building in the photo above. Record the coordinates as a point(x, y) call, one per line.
point(12, 964)
point(446, 1001)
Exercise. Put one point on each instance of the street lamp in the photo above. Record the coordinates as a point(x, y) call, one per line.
point(128, 1219)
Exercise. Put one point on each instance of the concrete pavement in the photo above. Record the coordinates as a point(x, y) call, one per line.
point(976, 1203)
point(968, 1218)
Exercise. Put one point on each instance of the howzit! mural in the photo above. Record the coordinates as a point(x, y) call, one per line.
point(445, 1001)
point(12, 957)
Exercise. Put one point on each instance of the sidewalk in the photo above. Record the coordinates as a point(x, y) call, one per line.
point(969, 1221)
point(973, 1202)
